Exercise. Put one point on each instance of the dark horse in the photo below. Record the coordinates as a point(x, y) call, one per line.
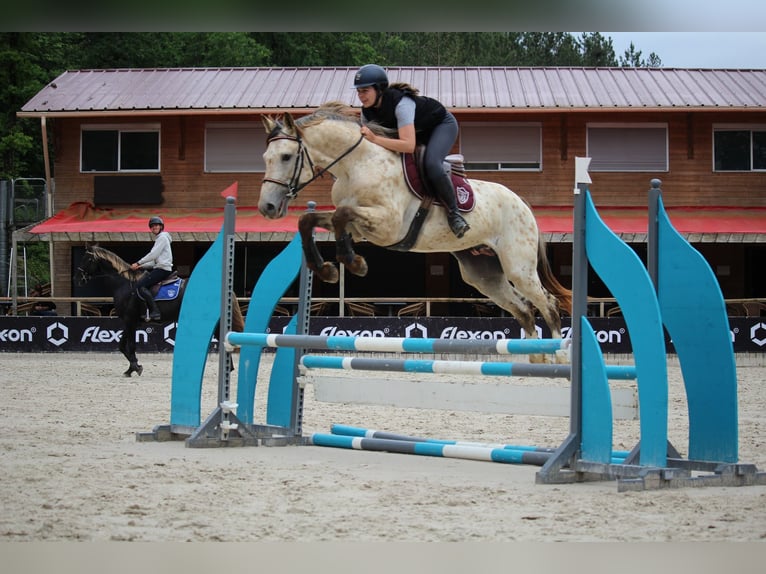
point(100, 262)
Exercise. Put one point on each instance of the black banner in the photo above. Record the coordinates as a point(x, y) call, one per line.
point(56, 334)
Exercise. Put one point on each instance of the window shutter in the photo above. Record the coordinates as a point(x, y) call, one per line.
point(627, 148)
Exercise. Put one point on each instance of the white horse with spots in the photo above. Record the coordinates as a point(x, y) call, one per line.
point(373, 202)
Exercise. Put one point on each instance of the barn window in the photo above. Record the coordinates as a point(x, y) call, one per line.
point(739, 148)
point(234, 147)
point(501, 146)
point(627, 147)
point(120, 149)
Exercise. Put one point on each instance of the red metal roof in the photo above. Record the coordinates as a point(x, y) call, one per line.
point(83, 218)
point(201, 90)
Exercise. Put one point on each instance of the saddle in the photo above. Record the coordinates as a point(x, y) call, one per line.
point(414, 175)
point(167, 289)
point(412, 164)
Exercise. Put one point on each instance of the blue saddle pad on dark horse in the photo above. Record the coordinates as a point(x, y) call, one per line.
point(168, 291)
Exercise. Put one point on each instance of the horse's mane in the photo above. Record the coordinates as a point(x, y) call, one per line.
point(335, 110)
point(118, 263)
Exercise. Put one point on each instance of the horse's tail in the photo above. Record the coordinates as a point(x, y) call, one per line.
point(237, 319)
point(562, 294)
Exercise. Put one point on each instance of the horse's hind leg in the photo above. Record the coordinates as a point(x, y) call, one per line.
point(128, 349)
point(486, 275)
point(521, 270)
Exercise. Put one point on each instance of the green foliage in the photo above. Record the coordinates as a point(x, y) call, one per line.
point(632, 59)
point(37, 258)
point(15, 147)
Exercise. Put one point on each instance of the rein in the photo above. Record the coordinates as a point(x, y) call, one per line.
point(294, 186)
point(87, 277)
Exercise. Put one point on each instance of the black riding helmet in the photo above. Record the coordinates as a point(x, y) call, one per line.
point(371, 75)
point(154, 220)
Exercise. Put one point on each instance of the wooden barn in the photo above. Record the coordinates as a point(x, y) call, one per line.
point(131, 143)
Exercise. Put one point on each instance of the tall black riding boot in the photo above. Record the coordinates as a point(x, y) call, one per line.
point(446, 193)
point(154, 312)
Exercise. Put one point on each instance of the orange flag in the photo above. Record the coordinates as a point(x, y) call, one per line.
point(230, 191)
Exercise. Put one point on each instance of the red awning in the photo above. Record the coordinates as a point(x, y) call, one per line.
point(85, 218)
point(686, 220)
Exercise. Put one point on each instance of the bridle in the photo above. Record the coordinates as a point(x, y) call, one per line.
point(86, 276)
point(293, 185)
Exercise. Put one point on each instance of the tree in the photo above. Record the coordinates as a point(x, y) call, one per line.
point(597, 51)
point(632, 59)
point(22, 75)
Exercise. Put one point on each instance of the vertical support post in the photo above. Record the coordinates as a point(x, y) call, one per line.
point(652, 255)
point(579, 305)
point(305, 285)
point(216, 430)
point(567, 452)
point(224, 324)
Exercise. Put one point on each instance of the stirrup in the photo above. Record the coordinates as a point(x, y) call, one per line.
point(457, 224)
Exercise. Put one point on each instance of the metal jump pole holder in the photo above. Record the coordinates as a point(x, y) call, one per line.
point(222, 427)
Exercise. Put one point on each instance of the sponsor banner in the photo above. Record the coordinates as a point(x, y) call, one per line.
point(53, 334)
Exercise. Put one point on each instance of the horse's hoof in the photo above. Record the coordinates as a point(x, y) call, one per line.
point(139, 370)
point(328, 273)
point(128, 373)
point(358, 266)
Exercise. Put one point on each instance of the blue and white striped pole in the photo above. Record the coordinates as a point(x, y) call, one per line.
point(431, 449)
point(346, 430)
point(400, 344)
point(463, 451)
point(454, 367)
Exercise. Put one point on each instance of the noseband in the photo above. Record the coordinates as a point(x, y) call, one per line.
point(294, 186)
point(84, 277)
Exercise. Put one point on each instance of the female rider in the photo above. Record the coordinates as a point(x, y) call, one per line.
point(417, 119)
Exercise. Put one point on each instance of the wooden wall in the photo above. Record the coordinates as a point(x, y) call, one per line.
point(182, 167)
point(690, 180)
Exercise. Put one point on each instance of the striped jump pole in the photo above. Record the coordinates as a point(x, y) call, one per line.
point(615, 372)
point(400, 344)
point(468, 452)
point(346, 430)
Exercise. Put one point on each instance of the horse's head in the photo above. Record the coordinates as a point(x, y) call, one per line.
point(88, 266)
point(98, 261)
point(288, 167)
point(299, 151)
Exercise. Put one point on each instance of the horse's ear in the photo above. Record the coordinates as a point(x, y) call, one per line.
point(290, 127)
point(269, 124)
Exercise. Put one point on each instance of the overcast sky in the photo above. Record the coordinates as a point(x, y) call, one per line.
point(696, 49)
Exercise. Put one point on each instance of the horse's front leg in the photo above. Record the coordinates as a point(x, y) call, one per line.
point(128, 349)
point(344, 246)
point(325, 270)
